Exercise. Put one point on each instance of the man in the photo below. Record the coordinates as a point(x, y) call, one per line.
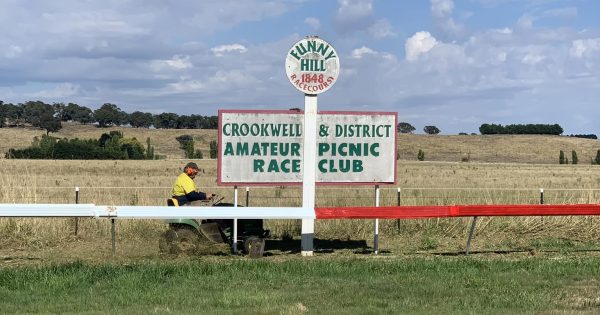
point(184, 189)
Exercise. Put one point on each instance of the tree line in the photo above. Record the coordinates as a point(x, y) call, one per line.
point(110, 146)
point(520, 129)
point(50, 116)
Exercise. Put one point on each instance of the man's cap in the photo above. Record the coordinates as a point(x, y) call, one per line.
point(191, 165)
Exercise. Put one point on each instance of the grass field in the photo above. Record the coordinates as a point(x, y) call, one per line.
point(568, 285)
point(520, 265)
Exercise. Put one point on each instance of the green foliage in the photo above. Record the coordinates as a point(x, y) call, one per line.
point(431, 130)
point(112, 146)
point(213, 149)
point(421, 155)
point(189, 149)
point(561, 157)
point(149, 150)
point(183, 140)
point(140, 120)
point(529, 129)
point(109, 115)
point(404, 127)
point(574, 159)
point(597, 159)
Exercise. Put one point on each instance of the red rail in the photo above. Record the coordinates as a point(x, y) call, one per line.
point(416, 212)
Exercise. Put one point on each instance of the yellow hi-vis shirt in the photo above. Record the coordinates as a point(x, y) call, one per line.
point(183, 185)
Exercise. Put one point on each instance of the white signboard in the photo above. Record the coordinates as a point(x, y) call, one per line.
point(265, 147)
point(312, 65)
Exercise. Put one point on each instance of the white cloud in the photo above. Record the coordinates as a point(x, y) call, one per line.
point(583, 47)
point(382, 29)
point(442, 8)
point(525, 21)
point(532, 58)
point(420, 43)
point(58, 92)
point(219, 51)
point(442, 11)
point(358, 53)
point(313, 22)
point(353, 15)
point(567, 13)
point(13, 51)
point(176, 63)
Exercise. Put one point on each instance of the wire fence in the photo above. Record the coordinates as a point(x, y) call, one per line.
point(291, 196)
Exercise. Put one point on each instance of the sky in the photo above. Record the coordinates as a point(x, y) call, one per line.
point(452, 64)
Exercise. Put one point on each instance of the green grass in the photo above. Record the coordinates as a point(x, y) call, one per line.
point(319, 285)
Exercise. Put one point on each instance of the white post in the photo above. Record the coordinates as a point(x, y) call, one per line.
point(309, 171)
point(235, 223)
point(376, 237)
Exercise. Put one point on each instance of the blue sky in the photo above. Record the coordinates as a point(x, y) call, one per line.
point(452, 64)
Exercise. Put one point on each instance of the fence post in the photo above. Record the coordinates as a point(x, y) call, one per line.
point(76, 218)
point(471, 231)
point(376, 236)
point(398, 204)
point(247, 196)
point(113, 234)
point(235, 221)
point(541, 196)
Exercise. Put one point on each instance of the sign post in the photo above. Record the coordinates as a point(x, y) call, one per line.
point(312, 66)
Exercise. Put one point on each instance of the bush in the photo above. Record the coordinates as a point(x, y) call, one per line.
point(213, 149)
point(574, 158)
point(421, 155)
point(561, 157)
point(112, 146)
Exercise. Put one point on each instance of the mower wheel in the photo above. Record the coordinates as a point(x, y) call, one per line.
point(179, 240)
point(254, 246)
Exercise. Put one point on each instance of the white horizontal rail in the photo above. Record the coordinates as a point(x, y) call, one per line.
point(153, 212)
point(47, 210)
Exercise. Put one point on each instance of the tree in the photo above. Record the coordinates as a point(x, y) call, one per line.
point(33, 111)
point(405, 127)
point(50, 123)
point(138, 119)
point(561, 157)
point(597, 159)
point(3, 114)
point(574, 159)
point(166, 120)
point(81, 114)
point(431, 130)
point(109, 115)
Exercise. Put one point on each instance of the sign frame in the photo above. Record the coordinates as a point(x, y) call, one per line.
point(220, 181)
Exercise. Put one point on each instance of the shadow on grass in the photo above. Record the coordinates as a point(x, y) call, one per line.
point(321, 245)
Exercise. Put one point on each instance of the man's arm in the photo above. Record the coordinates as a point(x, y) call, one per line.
point(196, 195)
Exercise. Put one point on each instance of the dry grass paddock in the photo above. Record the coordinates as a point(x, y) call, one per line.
point(452, 148)
point(501, 170)
point(421, 183)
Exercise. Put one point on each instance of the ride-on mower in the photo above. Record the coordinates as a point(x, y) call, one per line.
point(191, 235)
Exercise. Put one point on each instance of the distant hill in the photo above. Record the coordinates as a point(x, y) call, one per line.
point(476, 148)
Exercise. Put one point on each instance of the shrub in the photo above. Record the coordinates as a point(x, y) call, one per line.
point(561, 157)
point(421, 155)
point(213, 149)
point(597, 159)
point(574, 158)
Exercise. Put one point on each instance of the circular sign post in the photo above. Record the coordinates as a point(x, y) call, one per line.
point(312, 66)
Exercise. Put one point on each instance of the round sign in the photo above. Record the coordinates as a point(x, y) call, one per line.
point(312, 65)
